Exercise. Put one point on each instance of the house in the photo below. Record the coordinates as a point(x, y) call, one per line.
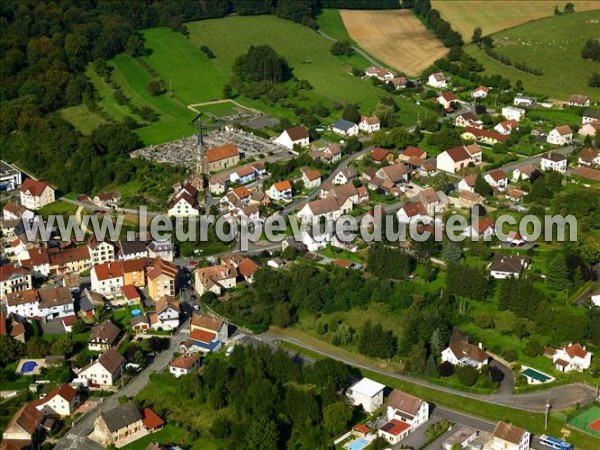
point(380, 155)
point(344, 127)
point(87, 302)
point(330, 154)
point(35, 194)
point(468, 119)
point(217, 185)
point(55, 302)
point(523, 172)
point(369, 124)
point(166, 314)
point(10, 326)
point(345, 175)
point(100, 250)
point(571, 357)
point(207, 334)
point(139, 324)
point(480, 92)
point(184, 205)
point(512, 113)
point(132, 249)
point(523, 100)
point(468, 199)
point(366, 393)
point(131, 294)
point(395, 173)
point(292, 137)
point(463, 353)
point(161, 249)
point(107, 199)
point(437, 80)
point(434, 202)
point(455, 159)
point(329, 208)
point(215, 279)
point(507, 436)
point(121, 422)
point(589, 129)
point(12, 211)
point(483, 136)
point(507, 126)
point(104, 336)
point(467, 183)
point(161, 278)
point(311, 178)
point(590, 115)
point(411, 152)
point(400, 82)
point(184, 364)
point(222, 157)
point(23, 303)
point(105, 370)
point(38, 263)
point(413, 212)
point(76, 259)
point(554, 161)
point(10, 177)
point(281, 191)
point(379, 72)
point(134, 272)
point(107, 279)
point(484, 227)
point(243, 175)
point(505, 266)
point(61, 402)
point(562, 135)
point(578, 100)
point(23, 428)
point(13, 279)
point(247, 268)
point(405, 413)
point(589, 157)
point(497, 179)
point(460, 438)
point(446, 100)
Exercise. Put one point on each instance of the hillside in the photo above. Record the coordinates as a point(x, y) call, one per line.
point(552, 45)
point(493, 16)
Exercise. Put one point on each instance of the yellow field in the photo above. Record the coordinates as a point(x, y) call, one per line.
point(396, 38)
point(495, 15)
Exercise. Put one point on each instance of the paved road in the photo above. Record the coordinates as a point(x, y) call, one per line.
point(560, 397)
point(535, 159)
point(76, 438)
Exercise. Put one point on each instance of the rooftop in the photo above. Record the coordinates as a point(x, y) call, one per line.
point(368, 387)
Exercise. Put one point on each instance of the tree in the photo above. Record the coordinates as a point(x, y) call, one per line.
point(227, 91)
point(481, 186)
point(496, 374)
point(416, 362)
point(38, 348)
point(262, 434)
point(467, 375)
point(342, 48)
point(261, 63)
point(351, 112)
point(556, 10)
point(594, 81)
point(558, 273)
point(154, 87)
point(446, 369)
point(437, 342)
point(569, 8)
point(283, 315)
point(352, 145)
point(10, 350)
point(452, 252)
point(476, 39)
point(336, 418)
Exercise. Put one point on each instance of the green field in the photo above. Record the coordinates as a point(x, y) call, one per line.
point(554, 45)
point(330, 22)
point(82, 118)
point(190, 77)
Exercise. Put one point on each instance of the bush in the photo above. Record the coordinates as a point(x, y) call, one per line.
point(207, 51)
point(467, 375)
point(510, 355)
point(445, 369)
point(533, 348)
point(342, 48)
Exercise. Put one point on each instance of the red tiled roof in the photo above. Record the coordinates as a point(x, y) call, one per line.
point(361, 427)
point(130, 292)
point(108, 270)
point(343, 263)
point(370, 120)
point(69, 255)
point(497, 174)
point(69, 320)
point(509, 433)
point(564, 129)
point(221, 152)
point(3, 330)
point(210, 323)
point(404, 402)
point(477, 132)
point(417, 152)
point(576, 350)
point(481, 88)
point(245, 171)
point(458, 154)
point(35, 188)
point(202, 336)
point(395, 427)
point(9, 270)
point(449, 97)
point(134, 265)
point(184, 361)
point(28, 418)
point(282, 185)
point(247, 267)
point(413, 208)
point(311, 174)
point(484, 224)
point(297, 133)
point(242, 192)
point(151, 420)
point(379, 154)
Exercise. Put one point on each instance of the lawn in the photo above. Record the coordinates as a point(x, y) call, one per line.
point(58, 208)
point(330, 22)
point(171, 434)
point(82, 118)
point(568, 116)
point(553, 45)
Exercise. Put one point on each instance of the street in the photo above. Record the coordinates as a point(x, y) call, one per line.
point(76, 437)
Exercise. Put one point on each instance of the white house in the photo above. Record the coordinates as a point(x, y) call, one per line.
point(405, 413)
point(294, 136)
point(480, 92)
point(184, 364)
point(483, 227)
point(590, 115)
point(505, 266)
point(215, 279)
point(446, 99)
point(184, 205)
point(413, 212)
point(207, 334)
point(328, 208)
point(589, 157)
point(101, 251)
point(243, 175)
point(506, 127)
point(463, 353)
point(523, 172)
point(60, 402)
point(523, 100)
point(12, 211)
point(13, 279)
point(369, 124)
point(344, 127)
point(579, 100)
point(166, 314)
point(47, 302)
point(562, 135)
point(455, 159)
point(379, 72)
point(437, 80)
point(554, 161)
point(497, 179)
point(345, 175)
point(35, 194)
point(367, 393)
point(572, 357)
point(104, 371)
point(507, 436)
point(281, 191)
point(512, 113)
point(467, 183)
point(107, 279)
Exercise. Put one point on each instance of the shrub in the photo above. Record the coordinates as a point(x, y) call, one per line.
point(445, 369)
point(467, 375)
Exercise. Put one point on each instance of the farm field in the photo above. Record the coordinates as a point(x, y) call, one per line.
point(396, 37)
point(493, 16)
point(553, 45)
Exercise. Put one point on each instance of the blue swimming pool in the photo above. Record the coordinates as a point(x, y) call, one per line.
point(28, 366)
point(136, 312)
point(358, 444)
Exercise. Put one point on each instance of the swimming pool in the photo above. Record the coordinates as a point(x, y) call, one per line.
point(358, 444)
point(136, 312)
point(28, 366)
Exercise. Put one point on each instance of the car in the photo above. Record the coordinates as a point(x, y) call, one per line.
point(229, 351)
point(193, 263)
point(196, 307)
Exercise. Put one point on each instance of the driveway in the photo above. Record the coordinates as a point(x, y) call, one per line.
point(507, 385)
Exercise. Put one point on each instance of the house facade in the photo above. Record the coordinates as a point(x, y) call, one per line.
point(507, 436)
point(13, 279)
point(184, 364)
point(104, 371)
point(562, 135)
point(572, 357)
point(512, 113)
point(463, 353)
point(366, 393)
point(344, 127)
point(35, 194)
point(294, 136)
point(107, 279)
point(458, 158)
point(405, 413)
point(60, 402)
point(369, 124)
point(222, 157)
point(554, 161)
point(437, 80)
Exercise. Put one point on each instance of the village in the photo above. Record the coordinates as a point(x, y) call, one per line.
point(89, 318)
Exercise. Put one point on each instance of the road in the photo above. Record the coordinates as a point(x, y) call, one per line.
point(76, 438)
point(560, 397)
point(94, 207)
point(535, 159)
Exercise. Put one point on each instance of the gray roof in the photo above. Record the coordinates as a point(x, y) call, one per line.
point(121, 416)
point(85, 302)
point(508, 263)
point(132, 247)
point(343, 124)
point(594, 113)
